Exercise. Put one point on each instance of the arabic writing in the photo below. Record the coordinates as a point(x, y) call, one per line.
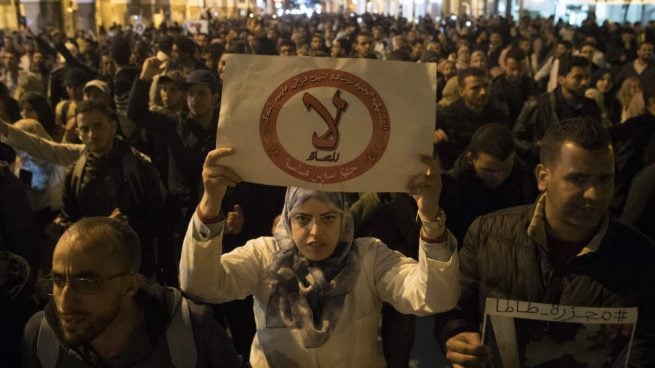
point(333, 157)
point(559, 313)
point(330, 139)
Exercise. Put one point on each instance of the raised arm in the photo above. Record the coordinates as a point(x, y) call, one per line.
point(432, 285)
point(63, 154)
point(206, 274)
point(137, 107)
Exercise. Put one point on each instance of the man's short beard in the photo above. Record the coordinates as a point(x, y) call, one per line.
point(97, 326)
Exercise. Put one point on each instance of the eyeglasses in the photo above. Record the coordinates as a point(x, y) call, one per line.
point(82, 285)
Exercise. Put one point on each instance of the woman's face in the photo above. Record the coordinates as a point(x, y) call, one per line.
point(27, 112)
point(315, 229)
point(604, 84)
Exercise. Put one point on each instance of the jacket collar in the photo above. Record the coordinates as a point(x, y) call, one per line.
point(537, 228)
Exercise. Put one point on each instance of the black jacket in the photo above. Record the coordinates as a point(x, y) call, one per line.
point(159, 304)
point(182, 140)
point(540, 113)
point(506, 256)
point(464, 196)
point(459, 122)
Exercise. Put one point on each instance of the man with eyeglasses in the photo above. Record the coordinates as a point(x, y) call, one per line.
point(102, 313)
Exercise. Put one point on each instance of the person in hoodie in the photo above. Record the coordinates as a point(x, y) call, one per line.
point(103, 314)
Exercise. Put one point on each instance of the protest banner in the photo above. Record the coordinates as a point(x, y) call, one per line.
point(537, 335)
point(349, 125)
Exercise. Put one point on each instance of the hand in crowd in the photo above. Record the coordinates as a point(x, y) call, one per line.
point(426, 189)
point(151, 67)
point(235, 220)
point(439, 136)
point(215, 179)
point(116, 214)
point(466, 350)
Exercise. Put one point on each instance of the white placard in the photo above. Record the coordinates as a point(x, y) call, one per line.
point(553, 335)
point(349, 125)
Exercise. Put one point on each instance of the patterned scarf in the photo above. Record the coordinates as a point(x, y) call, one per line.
point(309, 295)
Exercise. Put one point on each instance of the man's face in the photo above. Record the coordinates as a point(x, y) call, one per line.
point(495, 39)
point(285, 50)
point(417, 49)
point(475, 92)
point(9, 61)
point(87, 312)
point(252, 42)
point(316, 43)
point(171, 96)
point(363, 46)
point(107, 65)
point(524, 46)
point(478, 61)
point(587, 51)
point(464, 55)
point(645, 52)
point(492, 171)
point(202, 40)
point(28, 112)
point(37, 60)
point(178, 55)
point(96, 131)
point(75, 92)
point(200, 100)
point(315, 229)
point(513, 70)
point(96, 94)
point(577, 81)
point(579, 186)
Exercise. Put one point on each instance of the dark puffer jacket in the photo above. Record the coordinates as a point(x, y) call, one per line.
point(505, 255)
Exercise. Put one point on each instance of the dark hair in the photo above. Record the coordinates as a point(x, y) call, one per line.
point(493, 139)
point(566, 44)
point(345, 44)
point(567, 64)
point(119, 237)
point(587, 44)
point(185, 44)
point(94, 105)
point(429, 56)
point(584, 132)
point(399, 55)
point(121, 50)
point(516, 54)
point(469, 72)
point(39, 103)
point(165, 43)
point(215, 50)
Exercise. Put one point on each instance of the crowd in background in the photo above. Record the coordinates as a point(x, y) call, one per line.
point(501, 84)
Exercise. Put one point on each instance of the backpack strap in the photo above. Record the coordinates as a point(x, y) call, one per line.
point(47, 345)
point(179, 335)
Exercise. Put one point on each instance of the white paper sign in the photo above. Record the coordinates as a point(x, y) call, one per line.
point(552, 335)
point(346, 125)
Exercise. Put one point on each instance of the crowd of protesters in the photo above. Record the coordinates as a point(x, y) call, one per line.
point(118, 124)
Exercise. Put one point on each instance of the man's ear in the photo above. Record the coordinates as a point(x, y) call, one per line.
point(541, 173)
point(560, 80)
point(134, 282)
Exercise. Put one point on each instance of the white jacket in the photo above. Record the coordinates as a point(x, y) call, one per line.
point(427, 287)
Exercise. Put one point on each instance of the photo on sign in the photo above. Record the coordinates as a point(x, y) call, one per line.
point(533, 335)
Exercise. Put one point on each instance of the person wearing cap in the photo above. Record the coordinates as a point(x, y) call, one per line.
point(180, 142)
point(172, 99)
point(97, 90)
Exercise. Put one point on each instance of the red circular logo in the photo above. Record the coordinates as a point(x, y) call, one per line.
point(325, 144)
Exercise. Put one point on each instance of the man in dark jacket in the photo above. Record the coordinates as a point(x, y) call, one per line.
point(514, 87)
point(565, 249)
point(565, 102)
point(457, 122)
point(487, 177)
point(113, 179)
point(103, 314)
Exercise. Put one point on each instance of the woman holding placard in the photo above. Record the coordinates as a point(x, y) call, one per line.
point(318, 293)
